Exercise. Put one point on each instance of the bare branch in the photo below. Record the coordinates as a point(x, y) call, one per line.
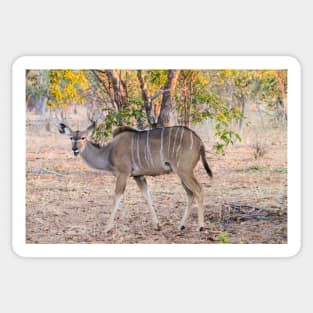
point(146, 97)
point(102, 84)
point(120, 92)
point(158, 93)
point(53, 172)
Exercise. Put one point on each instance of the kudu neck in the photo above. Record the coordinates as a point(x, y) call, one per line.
point(96, 156)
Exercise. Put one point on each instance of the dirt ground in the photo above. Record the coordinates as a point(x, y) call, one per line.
point(68, 202)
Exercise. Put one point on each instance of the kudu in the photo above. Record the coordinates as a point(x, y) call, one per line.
point(133, 153)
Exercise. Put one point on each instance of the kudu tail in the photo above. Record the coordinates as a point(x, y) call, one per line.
point(204, 161)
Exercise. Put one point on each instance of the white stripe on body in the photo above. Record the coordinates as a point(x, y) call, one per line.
point(161, 148)
point(138, 152)
point(148, 149)
point(169, 142)
point(180, 145)
point(132, 152)
point(173, 151)
point(191, 139)
point(180, 142)
point(146, 155)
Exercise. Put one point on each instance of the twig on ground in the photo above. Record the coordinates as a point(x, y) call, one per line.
point(237, 212)
point(53, 172)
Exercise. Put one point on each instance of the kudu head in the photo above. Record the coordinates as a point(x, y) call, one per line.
point(78, 138)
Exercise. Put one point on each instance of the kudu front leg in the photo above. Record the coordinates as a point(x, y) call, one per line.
point(121, 182)
point(143, 186)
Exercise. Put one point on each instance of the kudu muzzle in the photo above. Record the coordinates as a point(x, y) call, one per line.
point(75, 148)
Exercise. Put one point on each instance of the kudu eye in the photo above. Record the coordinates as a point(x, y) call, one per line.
point(82, 138)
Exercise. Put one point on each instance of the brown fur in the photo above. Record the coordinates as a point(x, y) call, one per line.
point(133, 153)
point(122, 129)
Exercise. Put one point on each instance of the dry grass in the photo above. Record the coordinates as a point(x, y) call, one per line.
point(67, 202)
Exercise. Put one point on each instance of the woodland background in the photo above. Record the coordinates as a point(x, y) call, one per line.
point(241, 115)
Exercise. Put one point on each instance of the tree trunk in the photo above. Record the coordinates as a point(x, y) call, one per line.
point(244, 111)
point(119, 87)
point(190, 104)
point(103, 81)
point(166, 105)
point(282, 97)
point(146, 98)
point(280, 112)
point(259, 113)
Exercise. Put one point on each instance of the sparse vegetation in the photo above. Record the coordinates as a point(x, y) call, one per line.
point(282, 170)
point(254, 168)
point(259, 150)
point(223, 237)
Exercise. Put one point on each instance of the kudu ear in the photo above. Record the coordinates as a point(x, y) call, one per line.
point(86, 132)
point(93, 118)
point(63, 129)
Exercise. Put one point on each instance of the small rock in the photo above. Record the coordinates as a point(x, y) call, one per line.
point(126, 229)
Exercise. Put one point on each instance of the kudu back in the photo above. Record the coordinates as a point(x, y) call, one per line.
point(133, 153)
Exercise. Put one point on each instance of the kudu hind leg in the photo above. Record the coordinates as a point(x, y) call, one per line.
point(193, 185)
point(190, 198)
point(119, 190)
point(143, 186)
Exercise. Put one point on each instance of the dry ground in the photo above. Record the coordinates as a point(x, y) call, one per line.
point(67, 202)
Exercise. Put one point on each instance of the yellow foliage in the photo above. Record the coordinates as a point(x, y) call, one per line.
point(67, 86)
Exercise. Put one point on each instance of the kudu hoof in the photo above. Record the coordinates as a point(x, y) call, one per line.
point(157, 227)
point(108, 230)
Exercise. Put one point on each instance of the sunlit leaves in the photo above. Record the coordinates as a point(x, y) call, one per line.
point(210, 105)
point(66, 86)
point(113, 118)
point(157, 77)
point(272, 84)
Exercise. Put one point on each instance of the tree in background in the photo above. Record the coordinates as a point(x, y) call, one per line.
point(167, 108)
point(186, 87)
point(37, 90)
point(272, 90)
point(158, 98)
point(56, 88)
